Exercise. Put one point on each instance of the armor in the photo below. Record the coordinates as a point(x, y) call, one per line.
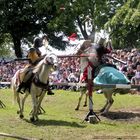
point(34, 56)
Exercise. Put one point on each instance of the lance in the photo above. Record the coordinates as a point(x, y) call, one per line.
point(116, 59)
point(18, 59)
point(83, 55)
point(21, 59)
point(88, 55)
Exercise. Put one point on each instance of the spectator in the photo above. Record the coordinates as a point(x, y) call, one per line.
point(130, 73)
point(136, 78)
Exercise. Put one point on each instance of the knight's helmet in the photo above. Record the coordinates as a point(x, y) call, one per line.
point(85, 46)
point(101, 42)
point(108, 45)
point(37, 42)
point(32, 55)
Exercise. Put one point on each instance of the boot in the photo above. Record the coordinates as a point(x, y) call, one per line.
point(20, 87)
point(23, 84)
point(50, 92)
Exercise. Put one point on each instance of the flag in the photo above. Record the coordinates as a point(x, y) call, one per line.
point(72, 37)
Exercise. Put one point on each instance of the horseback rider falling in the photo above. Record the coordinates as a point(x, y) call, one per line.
point(34, 56)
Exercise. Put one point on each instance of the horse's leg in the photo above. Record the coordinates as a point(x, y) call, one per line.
point(105, 95)
point(20, 106)
point(86, 96)
point(108, 104)
point(39, 108)
point(34, 116)
point(23, 102)
point(82, 92)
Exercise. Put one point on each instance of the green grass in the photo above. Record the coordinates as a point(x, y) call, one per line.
point(62, 122)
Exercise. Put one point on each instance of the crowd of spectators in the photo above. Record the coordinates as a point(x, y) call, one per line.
point(69, 68)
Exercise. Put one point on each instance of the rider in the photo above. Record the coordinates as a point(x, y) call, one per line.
point(34, 56)
point(96, 51)
point(89, 65)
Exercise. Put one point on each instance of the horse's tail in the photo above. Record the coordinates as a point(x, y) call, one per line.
point(13, 87)
point(14, 84)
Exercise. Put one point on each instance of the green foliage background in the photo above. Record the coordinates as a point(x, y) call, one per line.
point(59, 19)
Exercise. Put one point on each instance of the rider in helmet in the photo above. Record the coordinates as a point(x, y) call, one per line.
point(34, 56)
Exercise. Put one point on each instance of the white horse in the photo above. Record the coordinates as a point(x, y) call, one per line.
point(95, 53)
point(108, 92)
point(39, 85)
point(87, 66)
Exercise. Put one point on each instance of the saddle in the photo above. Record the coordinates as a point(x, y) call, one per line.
point(26, 86)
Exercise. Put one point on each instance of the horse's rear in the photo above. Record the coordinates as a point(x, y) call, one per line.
point(15, 81)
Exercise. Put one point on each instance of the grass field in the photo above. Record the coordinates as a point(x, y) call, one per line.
point(62, 122)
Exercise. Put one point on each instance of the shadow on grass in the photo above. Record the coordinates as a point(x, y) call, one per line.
point(122, 115)
point(56, 123)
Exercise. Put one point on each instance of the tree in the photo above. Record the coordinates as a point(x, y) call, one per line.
point(83, 14)
point(124, 26)
point(26, 18)
point(23, 19)
point(5, 45)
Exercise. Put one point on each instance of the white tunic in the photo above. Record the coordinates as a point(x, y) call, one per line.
point(93, 58)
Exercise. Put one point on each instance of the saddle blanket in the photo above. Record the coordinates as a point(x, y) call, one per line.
point(110, 75)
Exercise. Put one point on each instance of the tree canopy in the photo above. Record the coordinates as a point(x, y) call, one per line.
point(26, 18)
point(124, 26)
point(59, 19)
point(4, 45)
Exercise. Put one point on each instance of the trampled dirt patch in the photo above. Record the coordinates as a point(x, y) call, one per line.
point(132, 115)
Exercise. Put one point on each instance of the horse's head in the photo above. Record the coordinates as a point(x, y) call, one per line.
point(48, 60)
point(51, 59)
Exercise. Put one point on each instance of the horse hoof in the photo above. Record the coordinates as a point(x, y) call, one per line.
point(32, 119)
point(102, 110)
point(18, 112)
point(21, 116)
point(76, 108)
point(84, 105)
point(40, 113)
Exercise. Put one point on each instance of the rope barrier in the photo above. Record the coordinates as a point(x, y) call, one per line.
point(83, 55)
point(118, 86)
point(5, 83)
